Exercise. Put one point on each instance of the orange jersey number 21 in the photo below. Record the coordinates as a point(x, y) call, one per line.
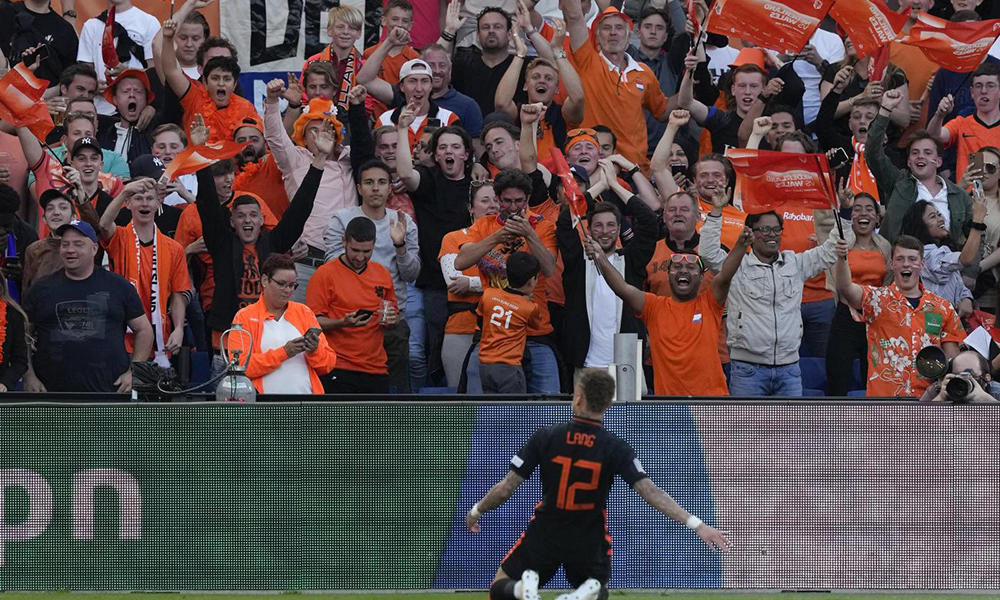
point(566, 498)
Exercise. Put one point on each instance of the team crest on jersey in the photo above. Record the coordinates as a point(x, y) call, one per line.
point(380, 291)
point(639, 86)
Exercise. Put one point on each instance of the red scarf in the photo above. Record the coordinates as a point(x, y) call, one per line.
point(3, 326)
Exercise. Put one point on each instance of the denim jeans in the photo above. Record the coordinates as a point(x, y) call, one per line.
point(816, 320)
point(414, 314)
point(303, 273)
point(750, 379)
point(540, 370)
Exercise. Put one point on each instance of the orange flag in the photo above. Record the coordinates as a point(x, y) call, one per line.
point(196, 158)
point(957, 47)
point(21, 101)
point(869, 23)
point(784, 25)
point(577, 201)
point(767, 180)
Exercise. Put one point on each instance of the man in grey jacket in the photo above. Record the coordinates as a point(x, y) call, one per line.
point(765, 298)
point(396, 249)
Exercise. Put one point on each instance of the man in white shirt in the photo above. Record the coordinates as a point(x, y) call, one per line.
point(134, 52)
point(830, 48)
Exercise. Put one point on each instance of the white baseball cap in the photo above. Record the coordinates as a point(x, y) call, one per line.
point(414, 67)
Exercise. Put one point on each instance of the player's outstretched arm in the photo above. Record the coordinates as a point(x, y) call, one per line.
point(498, 494)
point(662, 502)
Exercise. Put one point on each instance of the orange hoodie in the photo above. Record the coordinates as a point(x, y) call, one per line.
point(252, 318)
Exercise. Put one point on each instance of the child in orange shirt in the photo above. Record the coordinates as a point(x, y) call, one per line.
point(506, 315)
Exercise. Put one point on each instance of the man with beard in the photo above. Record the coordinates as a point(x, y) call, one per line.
point(130, 94)
point(592, 314)
point(257, 171)
point(477, 71)
point(154, 263)
point(491, 240)
point(919, 182)
point(902, 319)
point(765, 322)
point(863, 111)
point(237, 241)
point(395, 249)
point(221, 109)
point(542, 79)
point(683, 328)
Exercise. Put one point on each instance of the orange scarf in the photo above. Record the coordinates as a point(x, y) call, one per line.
point(861, 178)
point(347, 81)
point(3, 326)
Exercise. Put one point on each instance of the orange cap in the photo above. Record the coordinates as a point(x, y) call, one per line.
point(610, 11)
point(109, 92)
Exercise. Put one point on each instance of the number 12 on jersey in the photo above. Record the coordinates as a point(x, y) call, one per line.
point(566, 496)
point(498, 315)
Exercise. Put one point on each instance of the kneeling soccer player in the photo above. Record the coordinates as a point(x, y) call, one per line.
point(578, 461)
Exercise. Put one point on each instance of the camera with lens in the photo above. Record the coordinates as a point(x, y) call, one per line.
point(932, 363)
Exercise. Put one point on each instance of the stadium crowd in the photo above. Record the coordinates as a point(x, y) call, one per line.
point(397, 219)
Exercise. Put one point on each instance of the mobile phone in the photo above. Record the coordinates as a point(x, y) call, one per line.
point(12, 261)
point(976, 162)
point(839, 158)
point(313, 332)
point(364, 313)
point(675, 169)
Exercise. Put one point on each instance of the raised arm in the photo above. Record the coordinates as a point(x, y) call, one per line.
point(453, 21)
point(573, 106)
point(710, 248)
point(685, 95)
point(368, 75)
point(30, 146)
point(171, 71)
point(644, 189)
point(631, 295)
point(278, 142)
point(503, 100)
point(659, 164)
point(936, 125)
point(404, 159)
point(722, 280)
point(527, 148)
point(362, 141)
point(107, 223)
point(576, 25)
point(179, 17)
point(498, 494)
point(849, 292)
point(761, 125)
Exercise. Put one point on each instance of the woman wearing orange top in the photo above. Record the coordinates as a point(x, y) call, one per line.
point(869, 259)
point(289, 353)
point(464, 287)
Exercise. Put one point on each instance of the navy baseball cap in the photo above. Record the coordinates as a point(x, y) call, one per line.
point(51, 194)
point(81, 226)
point(86, 142)
point(147, 165)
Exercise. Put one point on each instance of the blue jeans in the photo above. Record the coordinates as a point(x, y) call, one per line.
point(816, 320)
point(414, 314)
point(540, 370)
point(750, 379)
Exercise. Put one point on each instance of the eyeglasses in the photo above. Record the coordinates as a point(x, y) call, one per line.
point(288, 287)
point(990, 168)
point(984, 86)
point(768, 230)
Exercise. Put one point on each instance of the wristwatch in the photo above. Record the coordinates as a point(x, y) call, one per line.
point(69, 13)
point(978, 226)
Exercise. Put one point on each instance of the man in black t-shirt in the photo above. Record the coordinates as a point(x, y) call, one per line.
point(31, 24)
point(78, 316)
point(578, 461)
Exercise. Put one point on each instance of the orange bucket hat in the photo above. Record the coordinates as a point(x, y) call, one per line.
point(319, 108)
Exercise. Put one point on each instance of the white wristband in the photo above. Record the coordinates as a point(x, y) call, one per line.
point(474, 511)
point(693, 522)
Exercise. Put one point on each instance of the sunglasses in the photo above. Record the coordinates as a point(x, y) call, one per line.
point(691, 259)
point(581, 131)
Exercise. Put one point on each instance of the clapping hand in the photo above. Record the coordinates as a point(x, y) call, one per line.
point(397, 231)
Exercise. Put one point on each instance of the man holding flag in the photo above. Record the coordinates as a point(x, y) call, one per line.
point(765, 298)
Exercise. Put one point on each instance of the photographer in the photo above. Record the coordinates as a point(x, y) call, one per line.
point(972, 367)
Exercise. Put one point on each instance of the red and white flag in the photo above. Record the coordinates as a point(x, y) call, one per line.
point(768, 180)
point(196, 158)
point(784, 25)
point(693, 15)
point(869, 23)
point(958, 47)
point(21, 101)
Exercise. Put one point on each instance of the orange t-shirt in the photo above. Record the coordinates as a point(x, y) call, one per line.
point(897, 332)
point(389, 71)
point(617, 99)
point(171, 267)
point(264, 180)
point(336, 290)
point(970, 134)
point(683, 338)
point(222, 122)
point(493, 266)
point(733, 222)
point(867, 267)
point(798, 226)
point(249, 290)
point(507, 317)
point(464, 321)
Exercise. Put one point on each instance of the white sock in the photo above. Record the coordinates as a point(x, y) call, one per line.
point(519, 591)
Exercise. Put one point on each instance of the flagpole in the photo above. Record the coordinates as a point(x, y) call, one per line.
point(171, 9)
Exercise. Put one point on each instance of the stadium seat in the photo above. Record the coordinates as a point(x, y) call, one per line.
point(856, 393)
point(808, 392)
point(856, 383)
point(201, 368)
point(813, 374)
